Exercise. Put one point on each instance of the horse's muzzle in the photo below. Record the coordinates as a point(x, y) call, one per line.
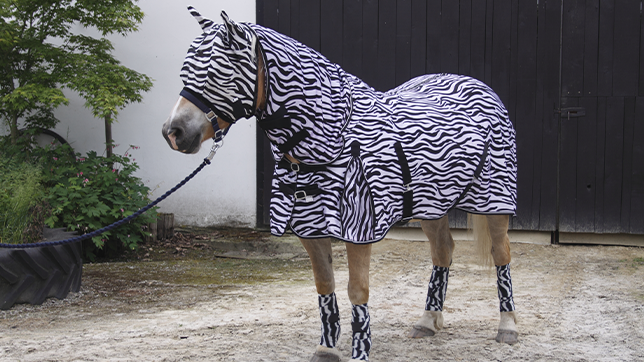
point(178, 139)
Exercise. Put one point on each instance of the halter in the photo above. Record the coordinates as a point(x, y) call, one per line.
point(210, 114)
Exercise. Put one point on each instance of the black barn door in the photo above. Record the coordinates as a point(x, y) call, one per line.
point(601, 178)
point(570, 73)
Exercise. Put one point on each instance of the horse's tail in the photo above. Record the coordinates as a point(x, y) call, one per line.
point(478, 225)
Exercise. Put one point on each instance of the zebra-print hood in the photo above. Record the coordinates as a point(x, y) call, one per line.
point(221, 67)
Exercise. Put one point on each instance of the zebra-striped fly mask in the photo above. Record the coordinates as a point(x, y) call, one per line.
point(220, 68)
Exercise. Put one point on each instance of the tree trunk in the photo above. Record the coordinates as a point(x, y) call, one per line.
point(109, 143)
point(13, 126)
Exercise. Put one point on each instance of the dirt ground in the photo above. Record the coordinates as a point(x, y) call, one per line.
point(240, 295)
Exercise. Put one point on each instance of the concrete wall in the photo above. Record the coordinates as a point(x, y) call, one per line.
point(224, 193)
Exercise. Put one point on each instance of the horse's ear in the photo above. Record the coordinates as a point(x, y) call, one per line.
point(235, 32)
point(205, 23)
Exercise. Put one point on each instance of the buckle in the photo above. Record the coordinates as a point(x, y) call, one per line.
point(295, 167)
point(407, 188)
point(219, 135)
point(300, 195)
point(210, 115)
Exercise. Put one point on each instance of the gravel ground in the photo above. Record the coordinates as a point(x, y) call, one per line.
point(239, 295)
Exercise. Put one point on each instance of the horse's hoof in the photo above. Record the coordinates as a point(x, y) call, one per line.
point(430, 323)
point(325, 354)
point(509, 337)
point(420, 332)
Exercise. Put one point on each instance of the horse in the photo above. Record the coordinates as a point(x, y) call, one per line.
point(352, 162)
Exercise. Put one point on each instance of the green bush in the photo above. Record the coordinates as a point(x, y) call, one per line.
point(20, 202)
point(90, 192)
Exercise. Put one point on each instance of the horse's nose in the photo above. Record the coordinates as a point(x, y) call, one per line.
point(173, 135)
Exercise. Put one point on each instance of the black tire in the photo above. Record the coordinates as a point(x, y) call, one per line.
point(47, 136)
point(31, 275)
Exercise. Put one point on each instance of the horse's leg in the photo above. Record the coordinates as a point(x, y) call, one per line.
point(319, 251)
point(442, 247)
point(359, 258)
point(498, 226)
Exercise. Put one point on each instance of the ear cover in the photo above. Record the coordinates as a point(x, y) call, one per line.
point(205, 23)
point(235, 36)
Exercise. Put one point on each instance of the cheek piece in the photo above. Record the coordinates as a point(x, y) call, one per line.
point(211, 115)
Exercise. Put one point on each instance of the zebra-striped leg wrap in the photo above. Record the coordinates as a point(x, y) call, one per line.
point(361, 332)
point(504, 285)
point(330, 316)
point(437, 289)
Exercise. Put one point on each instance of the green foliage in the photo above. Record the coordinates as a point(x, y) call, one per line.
point(39, 53)
point(107, 87)
point(88, 193)
point(20, 194)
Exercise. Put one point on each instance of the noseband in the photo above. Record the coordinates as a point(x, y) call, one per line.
point(200, 102)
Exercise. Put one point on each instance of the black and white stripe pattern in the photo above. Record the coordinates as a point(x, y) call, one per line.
point(357, 206)
point(437, 289)
point(361, 332)
point(442, 122)
point(221, 67)
point(504, 286)
point(330, 317)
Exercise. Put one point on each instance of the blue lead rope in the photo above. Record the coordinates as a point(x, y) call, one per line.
point(206, 161)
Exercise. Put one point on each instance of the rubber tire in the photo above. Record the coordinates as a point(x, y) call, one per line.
point(31, 275)
point(53, 135)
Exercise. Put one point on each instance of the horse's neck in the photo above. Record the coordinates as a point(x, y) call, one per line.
point(286, 60)
point(308, 100)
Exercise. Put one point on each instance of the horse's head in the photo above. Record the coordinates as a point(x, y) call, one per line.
point(220, 83)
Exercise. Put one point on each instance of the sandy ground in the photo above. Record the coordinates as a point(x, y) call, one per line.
point(575, 303)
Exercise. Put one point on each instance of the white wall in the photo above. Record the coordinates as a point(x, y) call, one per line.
point(224, 193)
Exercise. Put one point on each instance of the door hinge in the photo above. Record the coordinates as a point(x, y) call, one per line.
point(571, 112)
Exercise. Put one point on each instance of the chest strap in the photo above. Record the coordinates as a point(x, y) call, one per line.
point(299, 167)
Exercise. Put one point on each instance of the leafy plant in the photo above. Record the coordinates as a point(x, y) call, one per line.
point(90, 192)
point(40, 53)
point(20, 202)
point(108, 87)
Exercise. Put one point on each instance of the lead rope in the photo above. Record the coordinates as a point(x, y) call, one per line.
point(206, 161)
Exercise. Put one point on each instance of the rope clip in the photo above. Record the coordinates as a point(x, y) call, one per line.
point(215, 146)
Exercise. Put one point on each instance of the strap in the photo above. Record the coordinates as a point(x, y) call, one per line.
point(477, 173)
point(200, 102)
point(208, 108)
point(195, 99)
point(479, 168)
point(299, 167)
point(239, 111)
point(276, 120)
point(291, 143)
point(355, 149)
point(304, 194)
point(408, 193)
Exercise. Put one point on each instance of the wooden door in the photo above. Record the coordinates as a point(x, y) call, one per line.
point(570, 73)
point(601, 171)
